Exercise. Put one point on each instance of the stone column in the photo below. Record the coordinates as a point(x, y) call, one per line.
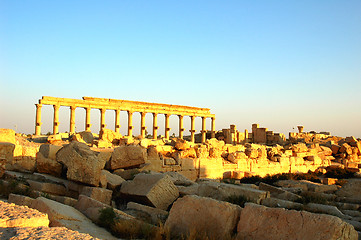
point(87, 120)
point(167, 129)
point(56, 119)
point(203, 129)
point(245, 136)
point(213, 128)
point(192, 128)
point(102, 119)
point(142, 124)
point(72, 119)
point(130, 123)
point(38, 119)
point(117, 121)
point(155, 125)
point(181, 129)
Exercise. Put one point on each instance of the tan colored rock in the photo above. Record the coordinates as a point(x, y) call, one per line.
point(20, 200)
point(156, 215)
point(43, 233)
point(12, 215)
point(335, 148)
point(345, 148)
point(204, 217)
point(7, 151)
point(155, 190)
point(326, 209)
point(100, 194)
point(109, 135)
point(113, 180)
point(61, 215)
point(48, 165)
point(49, 150)
point(181, 144)
point(222, 191)
point(280, 203)
point(279, 192)
point(90, 207)
point(82, 164)
point(299, 148)
point(45, 187)
point(260, 222)
point(7, 135)
point(128, 156)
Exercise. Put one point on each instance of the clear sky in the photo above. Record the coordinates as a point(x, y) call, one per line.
point(276, 63)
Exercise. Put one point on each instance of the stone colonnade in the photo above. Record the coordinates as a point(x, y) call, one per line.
point(131, 107)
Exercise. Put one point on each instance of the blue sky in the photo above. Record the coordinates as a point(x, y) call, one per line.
point(276, 63)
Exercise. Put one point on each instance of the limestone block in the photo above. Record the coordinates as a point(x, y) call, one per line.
point(90, 207)
point(21, 200)
point(345, 148)
point(156, 215)
point(213, 142)
point(61, 215)
point(178, 179)
point(222, 191)
point(12, 215)
point(82, 163)
point(315, 159)
point(251, 153)
point(326, 209)
point(103, 144)
point(49, 150)
point(202, 151)
point(189, 174)
point(260, 222)
point(100, 194)
point(113, 180)
point(128, 156)
point(51, 188)
point(188, 163)
point(77, 137)
point(7, 135)
point(211, 168)
point(155, 190)
point(335, 148)
point(206, 217)
point(329, 181)
point(55, 138)
point(48, 165)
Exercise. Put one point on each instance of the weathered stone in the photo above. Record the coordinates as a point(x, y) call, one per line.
point(222, 191)
point(279, 192)
point(345, 148)
point(280, 203)
point(90, 207)
point(259, 222)
point(12, 215)
point(205, 217)
point(49, 150)
point(48, 165)
point(113, 180)
point(7, 151)
point(156, 215)
point(100, 194)
point(299, 148)
point(181, 144)
point(7, 135)
point(82, 163)
point(156, 190)
point(109, 135)
point(327, 209)
point(51, 188)
point(128, 156)
point(61, 215)
point(178, 179)
point(20, 200)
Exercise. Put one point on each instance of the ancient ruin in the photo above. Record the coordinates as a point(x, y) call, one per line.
point(131, 107)
point(217, 184)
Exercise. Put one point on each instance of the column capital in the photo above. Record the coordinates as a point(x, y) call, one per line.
point(73, 107)
point(130, 112)
point(180, 116)
point(38, 105)
point(102, 110)
point(155, 114)
point(56, 107)
point(143, 114)
point(167, 115)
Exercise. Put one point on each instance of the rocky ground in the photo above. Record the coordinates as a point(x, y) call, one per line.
point(114, 187)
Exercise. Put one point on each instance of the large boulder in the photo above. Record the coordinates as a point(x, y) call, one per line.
point(128, 156)
point(109, 135)
point(48, 165)
point(205, 217)
point(83, 165)
point(49, 150)
point(6, 155)
point(113, 180)
point(155, 190)
point(260, 222)
point(61, 215)
point(100, 194)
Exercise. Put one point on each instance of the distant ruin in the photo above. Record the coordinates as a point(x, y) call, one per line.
point(104, 104)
